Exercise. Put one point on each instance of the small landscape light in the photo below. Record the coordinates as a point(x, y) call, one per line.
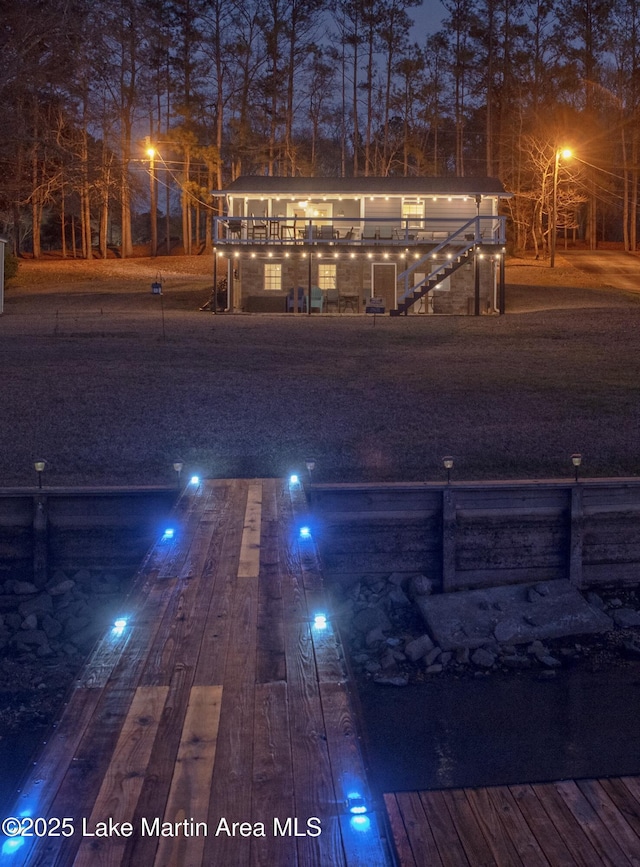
point(39, 468)
point(195, 480)
point(360, 823)
point(320, 621)
point(169, 533)
point(294, 479)
point(305, 533)
point(119, 626)
point(310, 464)
point(356, 804)
point(576, 460)
point(447, 462)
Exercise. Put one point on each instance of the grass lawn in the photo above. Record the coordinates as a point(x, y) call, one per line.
point(92, 383)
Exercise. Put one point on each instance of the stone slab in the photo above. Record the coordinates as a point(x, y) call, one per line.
point(510, 615)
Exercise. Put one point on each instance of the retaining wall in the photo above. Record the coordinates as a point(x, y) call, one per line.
point(469, 535)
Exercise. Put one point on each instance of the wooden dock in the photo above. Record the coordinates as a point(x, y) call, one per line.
point(214, 727)
point(585, 822)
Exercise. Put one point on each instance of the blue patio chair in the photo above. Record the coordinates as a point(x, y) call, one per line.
point(317, 299)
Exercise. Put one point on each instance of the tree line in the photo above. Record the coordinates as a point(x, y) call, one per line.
point(310, 87)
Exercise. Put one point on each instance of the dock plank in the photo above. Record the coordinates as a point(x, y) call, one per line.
point(188, 800)
point(399, 833)
point(272, 794)
point(122, 783)
point(543, 829)
point(249, 565)
point(478, 834)
point(592, 824)
point(420, 831)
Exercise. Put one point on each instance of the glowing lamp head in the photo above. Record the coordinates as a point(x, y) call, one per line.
point(356, 804)
point(294, 479)
point(169, 533)
point(320, 621)
point(305, 533)
point(195, 480)
point(151, 152)
point(566, 154)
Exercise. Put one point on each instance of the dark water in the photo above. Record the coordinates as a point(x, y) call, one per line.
point(503, 729)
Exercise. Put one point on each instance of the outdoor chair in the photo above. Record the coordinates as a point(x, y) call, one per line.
point(301, 299)
point(332, 299)
point(234, 228)
point(317, 299)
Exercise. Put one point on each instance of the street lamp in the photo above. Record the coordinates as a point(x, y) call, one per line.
point(151, 153)
point(177, 467)
point(448, 465)
point(565, 153)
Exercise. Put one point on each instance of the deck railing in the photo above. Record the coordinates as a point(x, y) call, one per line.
point(347, 231)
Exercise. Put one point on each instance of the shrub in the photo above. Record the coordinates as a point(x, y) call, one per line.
point(10, 264)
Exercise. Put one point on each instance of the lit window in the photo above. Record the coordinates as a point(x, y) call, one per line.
point(273, 276)
point(326, 276)
point(413, 211)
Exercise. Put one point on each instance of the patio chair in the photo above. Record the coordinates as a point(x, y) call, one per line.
point(332, 299)
point(301, 299)
point(317, 299)
point(234, 228)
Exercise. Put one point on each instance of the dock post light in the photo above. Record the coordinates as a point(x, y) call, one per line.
point(448, 465)
point(310, 464)
point(177, 466)
point(576, 460)
point(39, 468)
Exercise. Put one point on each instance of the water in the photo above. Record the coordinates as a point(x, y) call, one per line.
point(16, 754)
point(503, 730)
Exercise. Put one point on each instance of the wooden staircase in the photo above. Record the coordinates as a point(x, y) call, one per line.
point(462, 256)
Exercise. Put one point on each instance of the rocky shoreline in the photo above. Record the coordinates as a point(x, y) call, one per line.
point(45, 636)
point(388, 642)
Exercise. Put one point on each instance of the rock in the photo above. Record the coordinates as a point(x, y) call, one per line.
point(420, 585)
point(32, 636)
point(390, 679)
point(393, 641)
point(626, 617)
point(445, 658)
point(537, 648)
point(398, 578)
point(40, 604)
point(22, 588)
point(29, 622)
point(372, 666)
point(516, 661)
point(546, 675)
point(50, 626)
point(61, 588)
point(431, 657)
point(507, 631)
point(397, 596)
point(374, 636)
point(434, 669)
point(74, 625)
point(360, 658)
point(462, 655)
point(533, 595)
point(596, 601)
point(483, 658)
point(368, 618)
point(550, 661)
point(542, 589)
point(418, 648)
point(83, 578)
point(615, 603)
point(388, 660)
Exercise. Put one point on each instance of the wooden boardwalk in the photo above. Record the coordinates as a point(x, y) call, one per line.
point(219, 702)
point(585, 822)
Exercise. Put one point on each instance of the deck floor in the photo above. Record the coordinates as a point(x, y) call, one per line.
point(219, 703)
point(575, 822)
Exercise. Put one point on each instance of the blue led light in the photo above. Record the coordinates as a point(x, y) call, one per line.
point(168, 533)
point(195, 480)
point(360, 823)
point(294, 480)
point(119, 626)
point(11, 845)
point(356, 804)
point(320, 621)
point(305, 533)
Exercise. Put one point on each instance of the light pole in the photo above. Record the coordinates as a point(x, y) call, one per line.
point(151, 153)
point(565, 153)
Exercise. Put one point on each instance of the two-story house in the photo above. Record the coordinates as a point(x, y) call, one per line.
point(426, 245)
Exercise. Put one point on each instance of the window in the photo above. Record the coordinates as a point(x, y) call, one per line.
point(273, 276)
point(413, 211)
point(326, 276)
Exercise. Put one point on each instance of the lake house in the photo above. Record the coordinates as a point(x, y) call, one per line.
point(413, 244)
